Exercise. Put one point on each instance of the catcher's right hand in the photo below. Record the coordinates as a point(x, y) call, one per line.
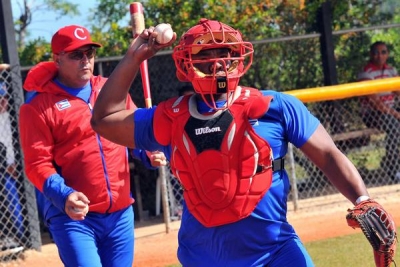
point(378, 227)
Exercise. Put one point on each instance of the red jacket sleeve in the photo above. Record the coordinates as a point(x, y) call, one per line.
point(37, 145)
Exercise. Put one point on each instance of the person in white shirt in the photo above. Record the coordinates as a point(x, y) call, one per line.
point(5, 126)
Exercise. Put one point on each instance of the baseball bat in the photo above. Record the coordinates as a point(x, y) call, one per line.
point(137, 20)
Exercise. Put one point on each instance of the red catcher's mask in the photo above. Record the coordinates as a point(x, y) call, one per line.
point(211, 34)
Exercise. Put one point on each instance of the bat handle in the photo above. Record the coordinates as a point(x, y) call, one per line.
point(148, 102)
point(146, 83)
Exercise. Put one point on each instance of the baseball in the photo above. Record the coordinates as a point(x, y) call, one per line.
point(84, 210)
point(164, 33)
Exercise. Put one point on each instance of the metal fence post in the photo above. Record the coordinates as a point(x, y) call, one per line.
point(164, 195)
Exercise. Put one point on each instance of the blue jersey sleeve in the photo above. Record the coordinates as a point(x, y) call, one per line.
point(287, 120)
point(300, 123)
point(144, 132)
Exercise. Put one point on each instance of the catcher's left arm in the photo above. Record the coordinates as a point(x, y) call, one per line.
point(378, 227)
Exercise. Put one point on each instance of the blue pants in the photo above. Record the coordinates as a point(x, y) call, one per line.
point(292, 254)
point(101, 240)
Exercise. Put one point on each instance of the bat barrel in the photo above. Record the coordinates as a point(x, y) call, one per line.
point(135, 8)
point(137, 18)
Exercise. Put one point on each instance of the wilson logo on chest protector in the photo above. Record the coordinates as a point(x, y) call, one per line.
point(207, 130)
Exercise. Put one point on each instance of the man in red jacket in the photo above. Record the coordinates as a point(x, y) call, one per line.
point(84, 178)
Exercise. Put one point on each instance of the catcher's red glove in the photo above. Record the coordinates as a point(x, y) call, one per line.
point(378, 227)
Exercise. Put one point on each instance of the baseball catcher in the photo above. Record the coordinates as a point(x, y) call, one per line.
point(378, 227)
point(226, 143)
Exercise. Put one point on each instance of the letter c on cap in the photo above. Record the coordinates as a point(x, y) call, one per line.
point(77, 32)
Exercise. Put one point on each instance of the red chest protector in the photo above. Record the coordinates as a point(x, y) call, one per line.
point(225, 168)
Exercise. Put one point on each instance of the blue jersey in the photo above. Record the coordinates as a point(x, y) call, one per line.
point(254, 240)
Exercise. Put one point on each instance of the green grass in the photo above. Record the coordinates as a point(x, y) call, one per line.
point(350, 251)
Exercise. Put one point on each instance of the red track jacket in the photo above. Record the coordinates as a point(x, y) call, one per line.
point(56, 137)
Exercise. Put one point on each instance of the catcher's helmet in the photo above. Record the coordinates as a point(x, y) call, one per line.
point(211, 34)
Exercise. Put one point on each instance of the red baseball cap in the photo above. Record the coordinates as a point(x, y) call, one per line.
point(70, 38)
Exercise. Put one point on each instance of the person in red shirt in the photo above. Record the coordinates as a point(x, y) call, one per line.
point(378, 110)
point(84, 179)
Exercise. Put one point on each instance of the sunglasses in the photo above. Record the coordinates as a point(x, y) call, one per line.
point(79, 54)
point(377, 52)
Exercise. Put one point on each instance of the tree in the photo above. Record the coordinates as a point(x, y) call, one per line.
point(282, 65)
point(34, 52)
point(111, 26)
point(28, 9)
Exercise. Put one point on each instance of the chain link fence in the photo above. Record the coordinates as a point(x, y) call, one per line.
point(19, 225)
point(371, 147)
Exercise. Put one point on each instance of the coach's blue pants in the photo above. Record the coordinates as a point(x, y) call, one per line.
point(101, 240)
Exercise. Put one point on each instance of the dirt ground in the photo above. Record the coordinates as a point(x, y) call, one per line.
point(315, 219)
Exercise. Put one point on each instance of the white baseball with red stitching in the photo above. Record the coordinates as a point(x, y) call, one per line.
point(164, 33)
